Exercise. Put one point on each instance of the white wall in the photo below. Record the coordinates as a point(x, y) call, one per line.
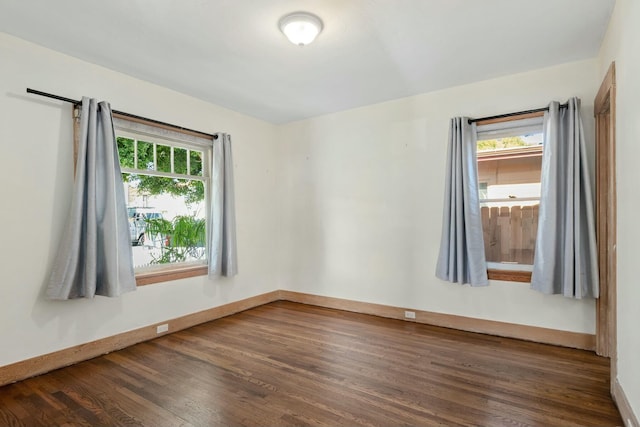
point(36, 168)
point(621, 45)
point(363, 193)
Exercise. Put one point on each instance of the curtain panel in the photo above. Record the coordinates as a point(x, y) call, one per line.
point(462, 256)
point(94, 256)
point(565, 260)
point(221, 230)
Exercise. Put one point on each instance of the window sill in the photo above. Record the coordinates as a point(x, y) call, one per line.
point(170, 273)
point(509, 276)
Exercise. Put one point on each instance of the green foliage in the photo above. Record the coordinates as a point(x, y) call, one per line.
point(498, 144)
point(191, 190)
point(183, 239)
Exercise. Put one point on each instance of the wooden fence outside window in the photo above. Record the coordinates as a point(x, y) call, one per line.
point(510, 233)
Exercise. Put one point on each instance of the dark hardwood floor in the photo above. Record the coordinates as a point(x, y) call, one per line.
point(292, 364)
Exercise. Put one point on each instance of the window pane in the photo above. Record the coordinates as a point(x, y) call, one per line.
point(510, 233)
point(164, 158)
point(511, 142)
point(196, 163)
point(145, 155)
point(166, 220)
point(125, 152)
point(180, 160)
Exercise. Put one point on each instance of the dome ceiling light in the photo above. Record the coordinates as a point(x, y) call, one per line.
point(301, 28)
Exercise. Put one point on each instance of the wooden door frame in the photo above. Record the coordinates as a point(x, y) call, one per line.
point(605, 118)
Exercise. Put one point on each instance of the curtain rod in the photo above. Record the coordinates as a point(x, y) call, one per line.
point(122, 113)
point(519, 113)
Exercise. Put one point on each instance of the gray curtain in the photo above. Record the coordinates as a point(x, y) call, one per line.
point(565, 260)
point(221, 230)
point(94, 256)
point(462, 257)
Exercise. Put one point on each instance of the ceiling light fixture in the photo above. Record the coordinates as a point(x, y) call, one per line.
point(301, 28)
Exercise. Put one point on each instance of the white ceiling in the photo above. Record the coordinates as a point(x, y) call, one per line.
point(231, 53)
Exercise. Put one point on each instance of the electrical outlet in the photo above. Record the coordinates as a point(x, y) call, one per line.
point(409, 314)
point(162, 328)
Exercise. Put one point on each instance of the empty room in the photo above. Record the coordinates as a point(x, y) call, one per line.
point(336, 212)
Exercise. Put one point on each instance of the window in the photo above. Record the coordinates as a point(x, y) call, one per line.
point(165, 174)
point(509, 169)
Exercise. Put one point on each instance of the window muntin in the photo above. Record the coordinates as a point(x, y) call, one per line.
point(160, 158)
point(509, 167)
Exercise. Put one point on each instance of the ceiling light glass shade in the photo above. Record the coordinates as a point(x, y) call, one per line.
point(301, 28)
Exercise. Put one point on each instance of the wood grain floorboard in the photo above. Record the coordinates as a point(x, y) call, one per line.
point(288, 364)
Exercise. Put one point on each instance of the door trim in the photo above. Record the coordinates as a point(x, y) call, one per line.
point(605, 118)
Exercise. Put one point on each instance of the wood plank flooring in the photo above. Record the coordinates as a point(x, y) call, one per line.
point(291, 364)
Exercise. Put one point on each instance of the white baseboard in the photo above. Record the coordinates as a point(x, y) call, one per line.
point(628, 417)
